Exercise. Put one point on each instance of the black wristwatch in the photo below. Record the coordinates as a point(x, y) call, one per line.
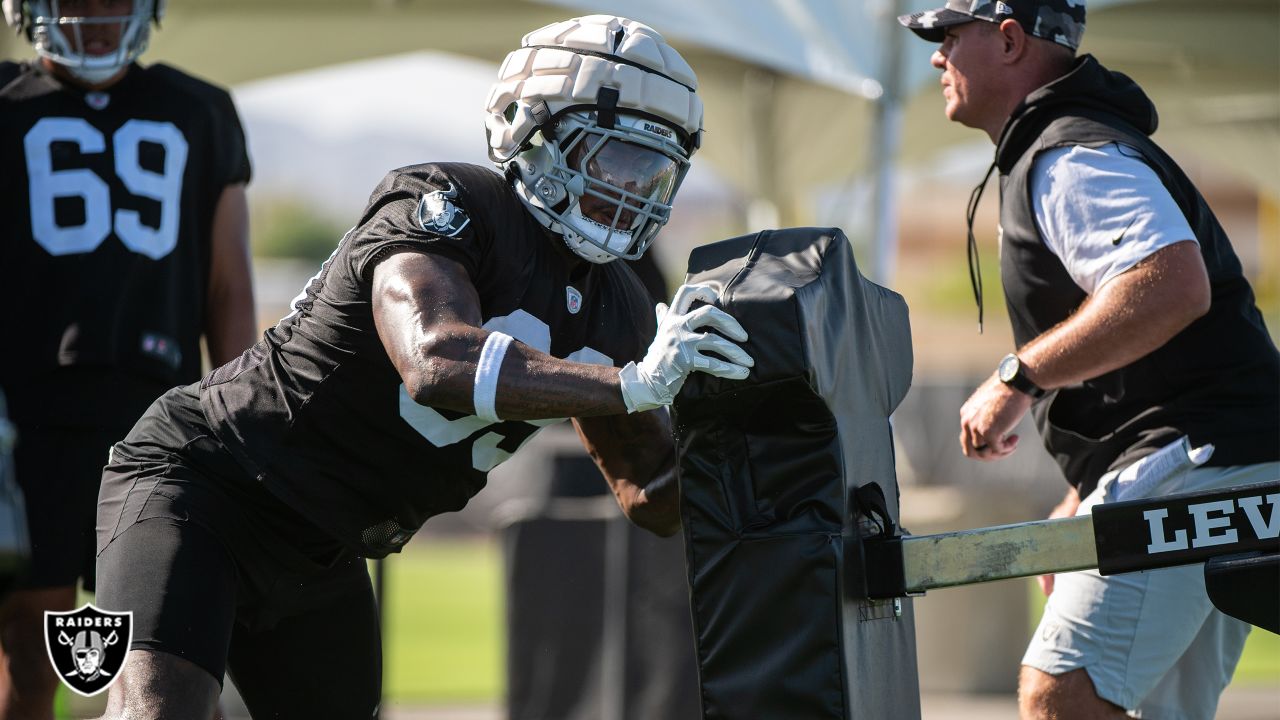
point(1011, 374)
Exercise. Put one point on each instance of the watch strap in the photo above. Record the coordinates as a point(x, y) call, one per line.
point(1022, 383)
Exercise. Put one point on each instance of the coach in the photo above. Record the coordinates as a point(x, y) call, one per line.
point(1138, 344)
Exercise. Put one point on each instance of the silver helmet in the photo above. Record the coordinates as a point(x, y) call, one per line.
point(62, 38)
point(594, 120)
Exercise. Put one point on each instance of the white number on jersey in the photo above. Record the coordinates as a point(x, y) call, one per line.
point(485, 453)
point(48, 184)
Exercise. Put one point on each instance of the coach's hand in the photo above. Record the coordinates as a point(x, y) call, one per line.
point(988, 418)
point(678, 349)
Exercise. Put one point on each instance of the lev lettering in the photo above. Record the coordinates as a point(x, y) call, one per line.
point(1212, 523)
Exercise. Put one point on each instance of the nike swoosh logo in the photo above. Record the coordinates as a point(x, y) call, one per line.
point(1122, 232)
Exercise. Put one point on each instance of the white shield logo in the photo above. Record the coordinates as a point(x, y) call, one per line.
point(572, 299)
point(97, 100)
point(88, 647)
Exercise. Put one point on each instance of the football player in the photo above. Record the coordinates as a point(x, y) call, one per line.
point(465, 310)
point(125, 229)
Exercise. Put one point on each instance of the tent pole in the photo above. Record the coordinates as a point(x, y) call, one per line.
point(886, 132)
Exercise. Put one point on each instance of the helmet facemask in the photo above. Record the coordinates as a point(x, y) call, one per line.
point(607, 190)
point(66, 40)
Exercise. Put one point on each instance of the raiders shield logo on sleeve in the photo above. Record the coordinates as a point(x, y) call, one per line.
point(88, 646)
point(437, 214)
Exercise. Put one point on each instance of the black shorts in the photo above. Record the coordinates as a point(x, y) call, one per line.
point(218, 571)
point(59, 470)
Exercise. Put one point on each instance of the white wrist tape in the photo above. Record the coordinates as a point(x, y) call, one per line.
point(486, 387)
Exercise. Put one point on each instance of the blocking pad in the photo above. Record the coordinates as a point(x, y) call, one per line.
point(783, 473)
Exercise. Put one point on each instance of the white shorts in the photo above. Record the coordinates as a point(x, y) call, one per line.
point(1152, 642)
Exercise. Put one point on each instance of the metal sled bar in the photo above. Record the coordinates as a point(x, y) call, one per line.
point(996, 553)
point(1118, 537)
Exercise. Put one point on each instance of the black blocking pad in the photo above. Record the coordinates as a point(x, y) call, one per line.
point(768, 466)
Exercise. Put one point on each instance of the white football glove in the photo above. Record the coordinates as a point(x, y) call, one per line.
point(677, 350)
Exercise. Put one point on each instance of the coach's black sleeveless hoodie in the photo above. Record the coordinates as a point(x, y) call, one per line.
point(1217, 381)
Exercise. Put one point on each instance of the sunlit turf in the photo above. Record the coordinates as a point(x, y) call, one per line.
point(443, 627)
point(444, 637)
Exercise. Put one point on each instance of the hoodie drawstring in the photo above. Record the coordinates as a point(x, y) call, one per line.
point(975, 268)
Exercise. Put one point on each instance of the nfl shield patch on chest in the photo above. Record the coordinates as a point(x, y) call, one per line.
point(572, 299)
point(88, 646)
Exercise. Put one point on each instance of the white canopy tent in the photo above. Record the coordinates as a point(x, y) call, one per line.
point(327, 136)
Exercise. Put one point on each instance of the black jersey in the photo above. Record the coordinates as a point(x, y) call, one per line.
point(108, 200)
point(317, 411)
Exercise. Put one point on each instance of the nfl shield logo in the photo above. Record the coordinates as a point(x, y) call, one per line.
point(97, 100)
point(572, 299)
point(88, 646)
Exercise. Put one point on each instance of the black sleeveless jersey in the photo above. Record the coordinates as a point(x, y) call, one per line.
point(318, 413)
point(108, 200)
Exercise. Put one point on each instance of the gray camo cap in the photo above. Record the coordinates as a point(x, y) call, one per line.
point(1061, 21)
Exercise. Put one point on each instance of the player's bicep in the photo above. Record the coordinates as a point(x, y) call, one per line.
point(427, 314)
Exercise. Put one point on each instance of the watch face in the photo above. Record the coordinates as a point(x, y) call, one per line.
point(1008, 368)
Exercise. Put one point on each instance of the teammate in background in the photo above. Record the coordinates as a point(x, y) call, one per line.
point(1138, 343)
point(125, 241)
point(464, 311)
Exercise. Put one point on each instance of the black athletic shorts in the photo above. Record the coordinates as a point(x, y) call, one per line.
point(59, 470)
point(220, 572)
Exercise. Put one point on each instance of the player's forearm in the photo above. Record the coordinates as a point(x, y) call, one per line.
point(531, 385)
point(231, 323)
point(657, 506)
point(653, 504)
point(231, 326)
point(636, 456)
point(230, 320)
point(1130, 316)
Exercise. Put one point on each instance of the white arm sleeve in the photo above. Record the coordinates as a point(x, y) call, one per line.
point(1102, 210)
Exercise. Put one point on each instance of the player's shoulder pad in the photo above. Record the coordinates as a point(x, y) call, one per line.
point(196, 88)
point(449, 195)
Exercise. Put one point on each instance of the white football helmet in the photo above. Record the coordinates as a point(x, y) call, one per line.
point(61, 37)
point(594, 121)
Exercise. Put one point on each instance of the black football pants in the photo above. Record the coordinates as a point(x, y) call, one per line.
point(218, 571)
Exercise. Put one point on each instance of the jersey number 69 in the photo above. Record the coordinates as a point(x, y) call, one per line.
point(48, 184)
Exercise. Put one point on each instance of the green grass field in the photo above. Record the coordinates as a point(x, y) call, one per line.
point(444, 640)
point(444, 630)
point(443, 636)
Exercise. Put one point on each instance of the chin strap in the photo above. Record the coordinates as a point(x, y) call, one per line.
point(542, 119)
